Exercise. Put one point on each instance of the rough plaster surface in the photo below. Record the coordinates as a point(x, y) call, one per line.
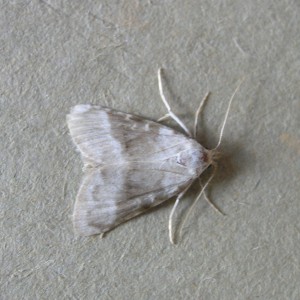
point(55, 54)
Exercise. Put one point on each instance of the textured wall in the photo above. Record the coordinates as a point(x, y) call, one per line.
point(55, 54)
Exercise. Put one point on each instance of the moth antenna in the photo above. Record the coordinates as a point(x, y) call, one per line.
point(198, 112)
point(197, 199)
point(171, 233)
point(170, 113)
point(226, 116)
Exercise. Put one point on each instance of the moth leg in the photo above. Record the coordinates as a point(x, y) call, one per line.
point(203, 188)
point(217, 209)
point(170, 113)
point(171, 233)
point(198, 112)
point(166, 116)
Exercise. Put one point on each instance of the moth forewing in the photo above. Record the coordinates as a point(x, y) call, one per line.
point(133, 165)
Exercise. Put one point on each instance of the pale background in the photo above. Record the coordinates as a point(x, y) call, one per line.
point(55, 54)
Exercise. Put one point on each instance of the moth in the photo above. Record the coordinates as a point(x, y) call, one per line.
point(132, 164)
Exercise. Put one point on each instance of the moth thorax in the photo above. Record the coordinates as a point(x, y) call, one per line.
point(195, 159)
point(212, 156)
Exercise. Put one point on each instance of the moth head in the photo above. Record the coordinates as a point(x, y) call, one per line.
point(212, 156)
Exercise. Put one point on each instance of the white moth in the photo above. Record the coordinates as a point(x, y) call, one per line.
point(132, 164)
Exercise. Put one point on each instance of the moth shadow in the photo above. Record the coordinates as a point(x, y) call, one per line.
point(227, 170)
